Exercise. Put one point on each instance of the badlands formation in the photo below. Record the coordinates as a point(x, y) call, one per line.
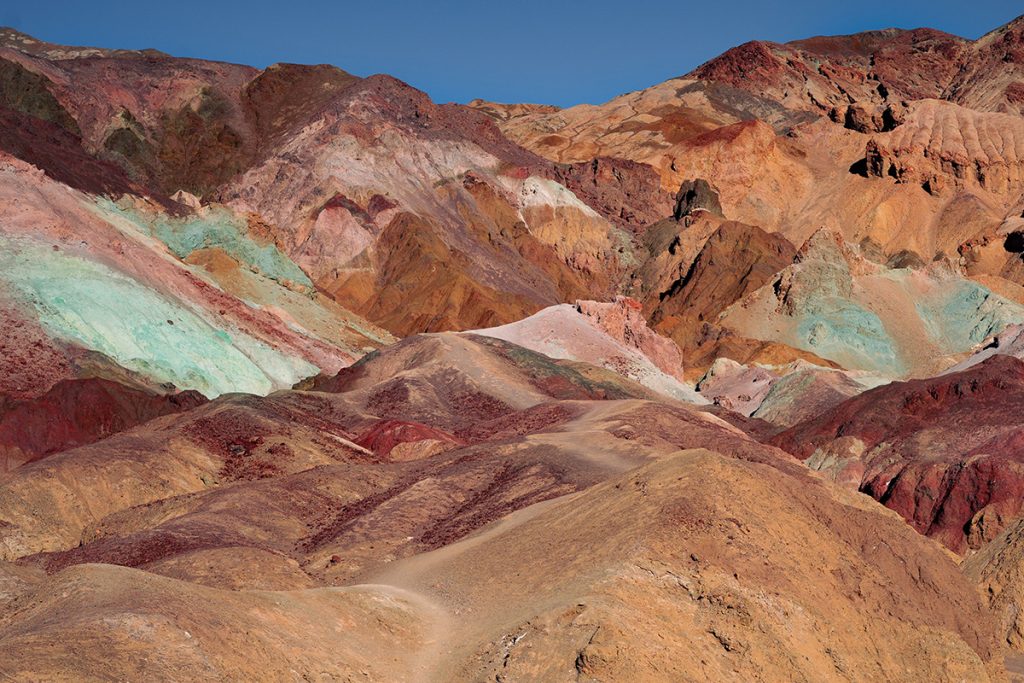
point(304, 376)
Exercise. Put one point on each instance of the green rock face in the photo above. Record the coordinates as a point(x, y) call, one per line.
point(92, 305)
point(964, 313)
point(219, 228)
point(24, 91)
point(841, 329)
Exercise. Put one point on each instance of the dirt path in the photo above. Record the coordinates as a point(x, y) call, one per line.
point(410, 580)
point(424, 580)
point(424, 663)
point(588, 439)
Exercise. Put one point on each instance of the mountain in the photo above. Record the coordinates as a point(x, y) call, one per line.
point(305, 375)
point(904, 142)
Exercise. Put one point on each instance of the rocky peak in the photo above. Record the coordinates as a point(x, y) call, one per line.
point(752, 63)
point(696, 195)
point(827, 245)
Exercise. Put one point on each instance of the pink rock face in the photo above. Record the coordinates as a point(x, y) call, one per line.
point(623, 319)
point(335, 238)
point(610, 335)
point(736, 387)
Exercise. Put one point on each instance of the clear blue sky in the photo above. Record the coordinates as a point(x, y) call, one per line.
point(507, 50)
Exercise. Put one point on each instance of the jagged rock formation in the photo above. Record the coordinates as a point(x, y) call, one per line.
point(734, 260)
point(942, 144)
point(991, 78)
point(696, 195)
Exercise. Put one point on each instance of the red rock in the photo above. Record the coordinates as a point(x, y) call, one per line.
point(386, 434)
point(627, 192)
point(939, 451)
point(75, 412)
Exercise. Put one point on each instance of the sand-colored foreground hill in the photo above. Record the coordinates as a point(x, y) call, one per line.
point(696, 567)
point(115, 623)
point(998, 569)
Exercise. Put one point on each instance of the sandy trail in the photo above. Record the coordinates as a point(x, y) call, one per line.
point(443, 603)
point(441, 606)
point(423, 664)
point(587, 438)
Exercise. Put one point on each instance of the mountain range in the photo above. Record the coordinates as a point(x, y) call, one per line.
point(304, 376)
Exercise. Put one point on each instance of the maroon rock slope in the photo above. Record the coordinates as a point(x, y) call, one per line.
point(75, 412)
point(861, 79)
point(944, 452)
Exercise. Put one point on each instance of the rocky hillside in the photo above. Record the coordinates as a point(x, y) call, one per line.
point(306, 376)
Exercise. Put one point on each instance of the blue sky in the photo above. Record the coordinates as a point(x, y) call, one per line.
point(513, 51)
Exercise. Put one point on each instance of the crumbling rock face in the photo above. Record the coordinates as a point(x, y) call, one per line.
point(865, 119)
point(944, 144)
point(623, 319)
point(992, 76)
point(626, 192)
point(696, 195)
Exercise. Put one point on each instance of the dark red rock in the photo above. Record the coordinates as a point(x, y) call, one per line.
point(939, 451)
point(75, 412)
point(851, 78)
point(628, 193)
point(386, 434)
